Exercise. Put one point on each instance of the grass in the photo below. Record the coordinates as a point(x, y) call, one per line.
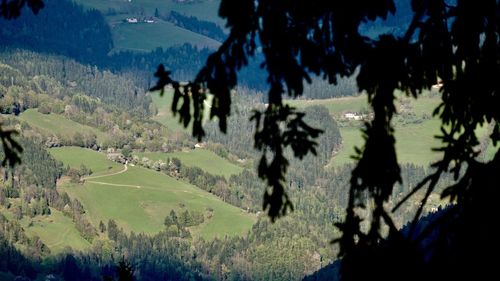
point(414, 143)
point(490, 152)
point(413, 140)
point(139, 199)
point(201, 158)
point(94, 160)
point(165, 115)
point(56, 231)
point(59, 125)
point(351, 137)
point(145, 37)
point(424, 104)
point(336, 105)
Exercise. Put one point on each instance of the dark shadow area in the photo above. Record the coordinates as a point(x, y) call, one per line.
point(453, 44)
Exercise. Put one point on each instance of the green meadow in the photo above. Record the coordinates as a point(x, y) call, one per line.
point(139, 199)
point(414, 138)
point(201, 158)
point(59, 125)
point(57, 231)
point(335, 105)
point(414, 143)
point(166, 117)
point(145, 37)
point(76, 156)
point(415, 129)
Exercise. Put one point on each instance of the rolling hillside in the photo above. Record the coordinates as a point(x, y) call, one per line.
point(59, 125)
point(139, 199)
point(201, 158)
point(415, 128)
point(165, 116)
point(144, 37)
point(91, 159)
point(57, 231)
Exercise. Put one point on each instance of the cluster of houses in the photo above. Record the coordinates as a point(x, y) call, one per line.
point(136, 20)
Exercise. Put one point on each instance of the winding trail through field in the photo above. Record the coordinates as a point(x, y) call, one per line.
point(125, 168)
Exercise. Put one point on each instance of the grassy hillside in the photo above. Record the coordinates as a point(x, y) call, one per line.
point(413, 143)
point(165, 116)
point(415, 130)
point(56, 231)
point(139, 199)
point(59, 125)
point(145, 37)
point(94, 160)
point(335, 105)
point(201, 158)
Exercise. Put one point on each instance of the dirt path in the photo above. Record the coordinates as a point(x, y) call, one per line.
point(125, 168)
point(114, 184)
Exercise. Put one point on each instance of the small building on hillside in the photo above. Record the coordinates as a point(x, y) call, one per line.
point(132, 20)
point(353, 116)
point(116, 157)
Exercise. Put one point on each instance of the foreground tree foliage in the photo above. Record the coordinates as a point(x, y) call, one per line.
point(10, 9)
point(452, 41)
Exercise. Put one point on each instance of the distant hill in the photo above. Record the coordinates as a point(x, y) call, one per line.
point(146, 36)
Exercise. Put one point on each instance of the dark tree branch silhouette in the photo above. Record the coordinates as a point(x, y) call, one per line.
point(454, 41)
point(11, 9)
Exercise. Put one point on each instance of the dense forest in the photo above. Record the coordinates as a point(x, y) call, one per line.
point(62, 27)
point(65, 28)
point(53, 85)
point(80, 79)
point(206, 28)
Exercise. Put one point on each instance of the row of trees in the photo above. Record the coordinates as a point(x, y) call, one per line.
point(191, 23)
